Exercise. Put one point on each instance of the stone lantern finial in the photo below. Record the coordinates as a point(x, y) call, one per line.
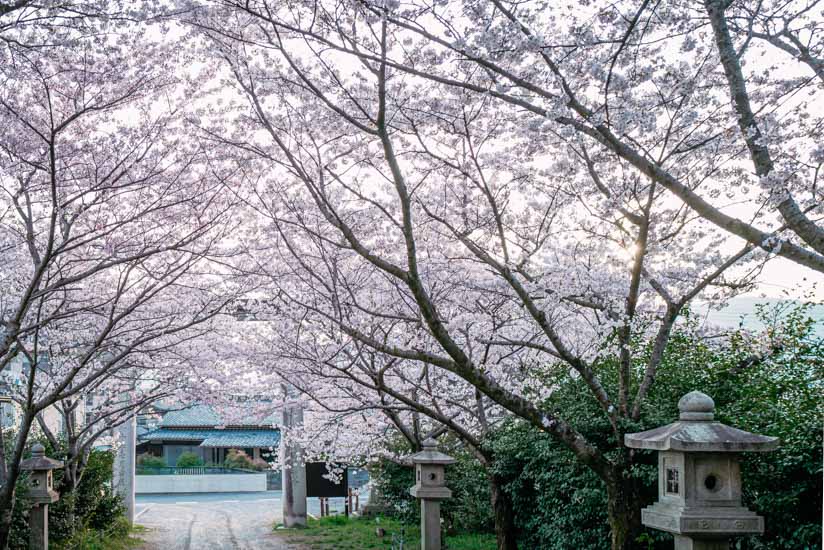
point(696, 406)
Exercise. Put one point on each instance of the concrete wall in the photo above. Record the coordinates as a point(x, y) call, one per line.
point(207, 483)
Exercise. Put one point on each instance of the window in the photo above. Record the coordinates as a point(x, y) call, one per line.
point(672, 481)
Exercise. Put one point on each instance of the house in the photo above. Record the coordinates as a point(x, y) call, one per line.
point(199, 429)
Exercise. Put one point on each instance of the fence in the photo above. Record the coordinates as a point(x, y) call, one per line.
point(196, 471)
point(199, 480)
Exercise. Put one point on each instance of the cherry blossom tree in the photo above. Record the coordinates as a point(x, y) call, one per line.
point(440, 183)
point(636, 82)
point(113, 220)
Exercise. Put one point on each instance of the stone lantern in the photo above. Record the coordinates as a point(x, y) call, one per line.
point(430, 488)
point(41, 494)
point(699, 477)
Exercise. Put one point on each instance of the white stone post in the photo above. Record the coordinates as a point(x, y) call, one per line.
point(293, 468)
point(124, 466)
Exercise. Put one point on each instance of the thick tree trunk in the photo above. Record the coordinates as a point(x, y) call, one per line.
point(624, 510)
point(504, 515)
point(13, 473)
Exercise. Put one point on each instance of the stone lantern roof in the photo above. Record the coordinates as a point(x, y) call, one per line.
point(39, 461)
point(431, 455)
point(697, 431)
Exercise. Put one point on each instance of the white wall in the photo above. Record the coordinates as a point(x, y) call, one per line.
point(207, 483)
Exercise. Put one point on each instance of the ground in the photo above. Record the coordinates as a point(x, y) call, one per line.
point(210, 521)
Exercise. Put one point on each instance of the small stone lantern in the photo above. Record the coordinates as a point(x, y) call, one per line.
point(699, 477)
point(41, 494)
point(430, 488)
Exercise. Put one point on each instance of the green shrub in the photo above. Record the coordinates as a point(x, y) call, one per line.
point(148, 461)
point(94, 504)
point(468, 509)
point(189, 460)
point(260, 465)
point(237, 459)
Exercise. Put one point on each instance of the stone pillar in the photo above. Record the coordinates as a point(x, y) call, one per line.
point(293, 468)
point(430, 524)
point(689, 543)
point(124, 465)
point(39, 527)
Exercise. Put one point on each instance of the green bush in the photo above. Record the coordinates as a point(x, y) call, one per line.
point(189, 460)
point(93, 505)
point(239, 460)
point(116, 537)
point(467, 510)
point(148, 461)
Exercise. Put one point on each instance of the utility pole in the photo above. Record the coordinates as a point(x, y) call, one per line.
point(293, 469)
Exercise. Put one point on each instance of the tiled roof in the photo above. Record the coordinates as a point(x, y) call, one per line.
point(217, 438)
point(204, 416)
point(242, 438)
point(195, 416)
point(177, 434)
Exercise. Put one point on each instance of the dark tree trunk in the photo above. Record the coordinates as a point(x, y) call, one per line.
point(503, 513)
point(624, 510)
point(12, 475)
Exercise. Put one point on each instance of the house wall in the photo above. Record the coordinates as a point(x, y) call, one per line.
point(207, 483)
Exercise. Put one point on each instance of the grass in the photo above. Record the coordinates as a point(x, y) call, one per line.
point(340, 533)
point(90, 539)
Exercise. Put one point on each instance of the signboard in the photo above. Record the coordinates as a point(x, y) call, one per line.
point(318, 485)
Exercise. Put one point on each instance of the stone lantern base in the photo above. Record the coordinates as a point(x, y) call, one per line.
point(703, 521)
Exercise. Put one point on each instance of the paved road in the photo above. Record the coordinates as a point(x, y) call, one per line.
point(210, 521)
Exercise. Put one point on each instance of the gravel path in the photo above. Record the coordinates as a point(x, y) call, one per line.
point(210, 522)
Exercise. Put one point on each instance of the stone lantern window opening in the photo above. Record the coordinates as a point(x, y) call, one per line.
point(672, 481)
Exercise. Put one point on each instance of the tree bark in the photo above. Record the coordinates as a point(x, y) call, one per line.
point(503, 513)
point(624, 511)
point(13, 474)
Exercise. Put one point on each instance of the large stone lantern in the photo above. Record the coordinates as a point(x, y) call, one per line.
point(41, 494)
point(699, 477)
point(430, 488)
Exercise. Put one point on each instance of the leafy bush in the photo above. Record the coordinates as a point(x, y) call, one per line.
point(467, 510)
point(116, 537)
point(239, 460)
point(189, 460)
point(93, 505)
point(260, 465)
point(149, 461)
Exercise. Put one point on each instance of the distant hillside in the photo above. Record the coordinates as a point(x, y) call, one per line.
point(741, 312)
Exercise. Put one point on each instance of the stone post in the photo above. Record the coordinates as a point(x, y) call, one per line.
point(39, 527)
point(293, 469)
point(430, 488)
point(699, 477)
point(124, 466)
